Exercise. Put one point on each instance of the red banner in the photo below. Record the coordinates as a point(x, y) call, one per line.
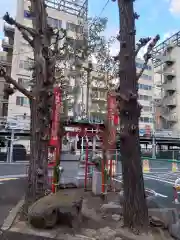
point(113, 117)
point(56, 117)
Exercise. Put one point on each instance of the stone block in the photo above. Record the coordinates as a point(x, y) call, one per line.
point(111, 208)
point(96, 183)
point(174, 230)
point(166, 216)
point(63, 208)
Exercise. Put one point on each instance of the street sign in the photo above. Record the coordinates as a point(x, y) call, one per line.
point(141, 132)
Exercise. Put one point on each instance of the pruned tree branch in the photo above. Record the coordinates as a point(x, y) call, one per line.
point(142, 43)
point(27, 32)
point(147, 55)
point(16, 85)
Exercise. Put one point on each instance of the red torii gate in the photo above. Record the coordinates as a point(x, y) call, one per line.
point(81, 129)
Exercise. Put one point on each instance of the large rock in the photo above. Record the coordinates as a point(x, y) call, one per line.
point(174, 230)
point(59, 207)
point(174, 224)
point(163, 216)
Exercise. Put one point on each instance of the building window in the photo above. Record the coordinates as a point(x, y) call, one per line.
point(27, 65)
point(54, 23)
point(22, 101)
point(102, 94)
point(147, 109)
point(71, 26)
point(140, 65)
point(144, 87)
point(24, 82)
point(146, 77)
point(74, 28)
point(145, 97)
point(94, 94)
point(146, 119)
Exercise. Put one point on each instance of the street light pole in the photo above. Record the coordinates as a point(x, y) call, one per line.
point(153, 131)
point(88, 70)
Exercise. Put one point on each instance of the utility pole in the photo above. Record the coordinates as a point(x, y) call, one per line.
point(153, 125)
point(88, 84)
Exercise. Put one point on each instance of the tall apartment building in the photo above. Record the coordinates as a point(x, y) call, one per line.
point(61, 14)
point(166, 60)
point(146, 91)
point(99, 96)
point(6, 62)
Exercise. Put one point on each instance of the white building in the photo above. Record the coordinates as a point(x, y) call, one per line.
point(70, 16)
point(166, 59)
point(145, 86)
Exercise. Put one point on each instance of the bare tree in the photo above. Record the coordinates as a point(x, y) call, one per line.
point(135, 209)
point(45, 44)
point(82, 50)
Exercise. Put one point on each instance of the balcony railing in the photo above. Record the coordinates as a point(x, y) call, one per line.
point(170, 101)
point(166, 58)
point(170, 117)
point(169, 86)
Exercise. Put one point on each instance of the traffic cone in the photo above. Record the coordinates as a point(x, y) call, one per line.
point(146, 168)
point(174, 167)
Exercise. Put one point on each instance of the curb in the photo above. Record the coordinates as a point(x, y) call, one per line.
point(8, 222)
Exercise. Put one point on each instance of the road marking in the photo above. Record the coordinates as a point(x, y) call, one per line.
point(158, 194)
point(160, 168)
point(164, 173)
point(159, 180)
point(14, 176)
point(161, 195)
point(7, 179)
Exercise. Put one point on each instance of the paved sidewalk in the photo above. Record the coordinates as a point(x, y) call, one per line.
point(18, 236)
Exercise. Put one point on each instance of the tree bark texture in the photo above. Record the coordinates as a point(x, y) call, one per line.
point(135, 209)
point(41, 104)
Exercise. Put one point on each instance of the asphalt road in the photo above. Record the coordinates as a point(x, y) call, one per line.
point(11, 191)
point(160, 178)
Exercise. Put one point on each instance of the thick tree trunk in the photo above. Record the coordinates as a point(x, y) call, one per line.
point(41, 105)
point(135, 209)
point(37, 176)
